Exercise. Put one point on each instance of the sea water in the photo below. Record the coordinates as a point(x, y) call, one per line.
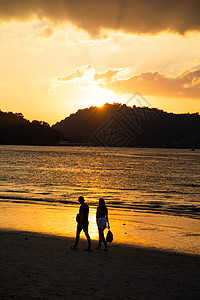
point(153, 195)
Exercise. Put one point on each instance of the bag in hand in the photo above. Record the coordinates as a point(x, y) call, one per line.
point(109, 237)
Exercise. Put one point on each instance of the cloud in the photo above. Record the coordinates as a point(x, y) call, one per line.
point(86, 78)
point(88, 72)
point(45, 32)
point(110, 75)
point(105, 76)
point(132, 16)
point(77, 73)
point(187, 85)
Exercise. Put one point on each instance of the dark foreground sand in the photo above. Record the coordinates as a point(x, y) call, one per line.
point(34, 266)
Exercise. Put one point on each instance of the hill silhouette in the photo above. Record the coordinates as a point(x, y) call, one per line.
point(120, 125)
point(115, 125)
point(16, 130)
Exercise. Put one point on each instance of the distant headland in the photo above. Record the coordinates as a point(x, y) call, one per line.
point(113, 125)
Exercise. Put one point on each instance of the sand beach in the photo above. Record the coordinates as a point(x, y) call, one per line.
point(36, 266)
point(154, 217)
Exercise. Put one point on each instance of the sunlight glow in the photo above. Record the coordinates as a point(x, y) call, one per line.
point(98, 97)
point(34, 67)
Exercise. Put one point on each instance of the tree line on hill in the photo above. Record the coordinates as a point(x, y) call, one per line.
point(111, 125)
point(120, 125)
point(16, 130)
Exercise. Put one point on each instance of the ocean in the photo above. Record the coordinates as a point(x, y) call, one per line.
point(140, 186)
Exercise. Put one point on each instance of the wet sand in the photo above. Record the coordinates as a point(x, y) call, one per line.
point(174, 233)
point(36, 266)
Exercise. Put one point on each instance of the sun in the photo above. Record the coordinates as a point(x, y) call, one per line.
point(99, 96)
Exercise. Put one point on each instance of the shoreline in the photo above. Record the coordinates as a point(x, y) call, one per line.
point(172, 233)
point(41, 266)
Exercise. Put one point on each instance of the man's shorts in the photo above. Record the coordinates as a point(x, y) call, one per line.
point(83, 227)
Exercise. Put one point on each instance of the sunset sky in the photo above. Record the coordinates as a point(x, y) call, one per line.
point(57, 56)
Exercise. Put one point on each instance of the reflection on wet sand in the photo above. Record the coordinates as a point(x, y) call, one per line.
point(167, 232)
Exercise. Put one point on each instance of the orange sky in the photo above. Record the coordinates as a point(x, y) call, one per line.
point(58, 56)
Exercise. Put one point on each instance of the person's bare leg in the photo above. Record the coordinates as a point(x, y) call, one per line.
point(87, 236)
point(103, 239)
point(100, 238)
point(78, 231)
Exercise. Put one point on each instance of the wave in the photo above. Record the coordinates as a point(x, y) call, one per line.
point(191, 211)
point(17, 191)
point(174, 192)
point(25, 198)
point(29, 200)
point(156, 207)
point(186, 208)
point(193, 185)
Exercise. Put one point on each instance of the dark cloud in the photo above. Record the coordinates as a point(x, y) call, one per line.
point(134, 16)
point(187, 85)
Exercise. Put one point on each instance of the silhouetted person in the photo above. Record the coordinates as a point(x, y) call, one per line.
point(102, 220)
point(82, 220)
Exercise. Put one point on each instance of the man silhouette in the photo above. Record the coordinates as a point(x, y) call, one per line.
point(82, 220)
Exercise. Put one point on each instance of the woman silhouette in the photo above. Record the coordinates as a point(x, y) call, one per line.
point(102, 219)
